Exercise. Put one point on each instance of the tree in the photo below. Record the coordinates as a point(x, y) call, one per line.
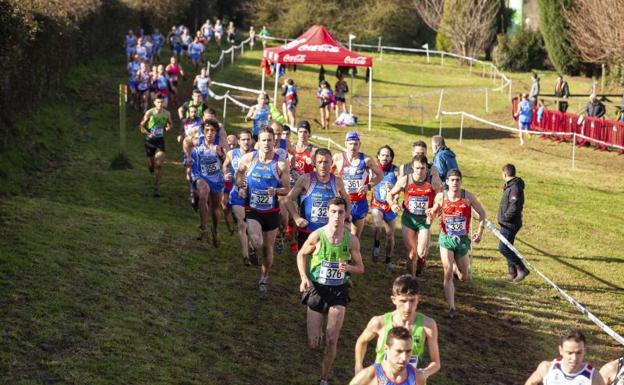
point(556, 39)
point(595, 29)
point(469, 25)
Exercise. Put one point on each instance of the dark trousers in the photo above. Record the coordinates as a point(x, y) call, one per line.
point(512, 258)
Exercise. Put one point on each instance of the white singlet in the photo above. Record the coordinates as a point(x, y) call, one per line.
point(557, 375)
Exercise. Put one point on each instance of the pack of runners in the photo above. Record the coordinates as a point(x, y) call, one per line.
point(276, 191)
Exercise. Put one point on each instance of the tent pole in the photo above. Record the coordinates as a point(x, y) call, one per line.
point(351, 92)
point(370, 97)
point(263, 76)
point(277, 69)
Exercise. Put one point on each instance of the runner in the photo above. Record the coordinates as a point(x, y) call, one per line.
point(157, 120)
point(133, 68)
point(301, 161)
point(341, 89)
point(326, 97)
point(307, 200)
point(196, 49)
point(157, 39)
point(143, 80)
point(260, 115)
point(424, 330)
point(207, 31)
point(191, 127)
point(419, 196)
point(175, 42)
point(237, 204)
point(221, 138)
point(207, 176)
point(381, 212)
point(353, 167)
point(174, 71)
point(130, 44)
point(141, 50)
point(289, 91)
point(149, 48)
point(394, 369)
point(218, 32)
point(324, 281)
point(282, 148)
point(264, 34)
point(186, 39)
point(163, 85)
point(231, 33)
point(568, 368)
point(260, 178)
point(252, 37)
point(231, 143)
point(196, 101)
point(456, 206)
point(613, 372)
point(202, 82)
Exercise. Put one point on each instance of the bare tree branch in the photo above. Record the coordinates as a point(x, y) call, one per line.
point(595, 30)
point(430, 12)
point(470, 24)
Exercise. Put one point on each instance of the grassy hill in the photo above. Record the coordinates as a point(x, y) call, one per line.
point(102, 284)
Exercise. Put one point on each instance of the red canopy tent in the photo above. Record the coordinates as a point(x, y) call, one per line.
point(318, 46)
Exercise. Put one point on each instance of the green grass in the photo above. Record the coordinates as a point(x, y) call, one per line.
point(102, 284)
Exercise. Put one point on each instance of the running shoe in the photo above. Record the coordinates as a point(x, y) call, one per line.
point(391, 267)
point(376, 252)
point(323, 381)
point(421, 264)
point(294, 248)
point(263, 287)
point(246, 261)
point(452, 313)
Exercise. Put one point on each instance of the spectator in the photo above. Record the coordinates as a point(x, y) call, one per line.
point(535, 88)
point(510, 221)
point(621, 113)
point(562, 91)
point(443, 158)
point(540, 111)
point(594, 108)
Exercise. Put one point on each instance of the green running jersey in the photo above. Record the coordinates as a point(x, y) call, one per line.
point(418, 339)
point(326, 258)
point(157, 122)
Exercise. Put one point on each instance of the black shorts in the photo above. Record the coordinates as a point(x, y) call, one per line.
point(324, 104)
point(153, 144)
point(340, 99)
point(302, 236)
point(321, 297)
point(268, 221)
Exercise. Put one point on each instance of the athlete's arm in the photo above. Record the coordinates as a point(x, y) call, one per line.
point(144, 122)
point(395, 191)
point(431, 332)
point(297, 190)
point(343, 193)
point(378, 174)
point(608, 371)
point(169, 122)
point(437, 203)
point(365, 377)
point(337, 161)
point(356, 266)
point(539, 374)
point(302, 261)
point(240, 174)
point(598, 379)
point(282, 170)
point(182, 111)
point(187, 147)
point(402, 170)
point(250, 114)
point(474, 202)
point(436, 182)
point(369, 334)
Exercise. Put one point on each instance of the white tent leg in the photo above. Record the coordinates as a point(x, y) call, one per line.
point(263, 77)
point(370, 97)
point(277, 69)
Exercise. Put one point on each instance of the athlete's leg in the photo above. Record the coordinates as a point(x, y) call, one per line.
point(150, 163)
point(268, 245)
point(448, 261)
point(462, 267)
point(159, 162)
point(378, 223)
point(389, 227)
point(357, 227)
point(335, 317)
point(254, 230)
point(239, 213)
point(227, 213)
point(410, 237)
point(424, 237)
point(315, 328)
point(215, 207)
point(203, 191)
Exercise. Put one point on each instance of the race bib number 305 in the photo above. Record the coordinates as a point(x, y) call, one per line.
point(330, 274)
point(455, 225)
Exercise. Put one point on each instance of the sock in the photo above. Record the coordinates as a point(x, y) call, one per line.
point(377, 243)
point(387, 259)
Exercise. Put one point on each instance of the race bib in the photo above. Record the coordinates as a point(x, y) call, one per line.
point(261, 199)
point(209, 168)
point(455, 225)
point(417, 205)
point(158, 131)
point(318, 213)
point(353, 185)
point(383, 191)
point(330, 274)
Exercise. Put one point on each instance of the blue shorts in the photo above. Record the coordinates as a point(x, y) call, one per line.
point(132, 84)
point(130, 50)
point(359, 210)
point(196, 56)
point(215, 187)
point(204, 95)
point(235, 200)
point(177, 48)
point(388, 216)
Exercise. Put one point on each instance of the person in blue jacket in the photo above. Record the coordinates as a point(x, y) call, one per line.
point(443, 158)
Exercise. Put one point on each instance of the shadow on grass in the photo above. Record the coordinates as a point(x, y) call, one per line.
point(563, 261)
point(453, 132)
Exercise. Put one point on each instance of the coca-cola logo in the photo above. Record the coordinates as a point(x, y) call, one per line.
point(318, 48)
point(360, 60)
point(294, 58)
point(295, 43)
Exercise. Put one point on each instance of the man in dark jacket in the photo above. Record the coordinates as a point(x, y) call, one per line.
point(595, 108)
point(443, 157)
point(510, 221)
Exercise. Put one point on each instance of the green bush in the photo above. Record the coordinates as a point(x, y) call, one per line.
point(523, 52)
